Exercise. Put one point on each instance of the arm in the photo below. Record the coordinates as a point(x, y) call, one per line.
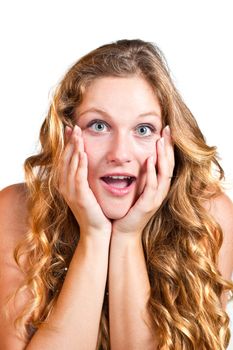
point(74, 324)
point(128, 278)
point(129, 290)
point(221, 208)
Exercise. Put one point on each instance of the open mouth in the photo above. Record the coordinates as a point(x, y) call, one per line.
point(119, 181)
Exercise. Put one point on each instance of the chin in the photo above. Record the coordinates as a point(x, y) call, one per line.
point(115, 214)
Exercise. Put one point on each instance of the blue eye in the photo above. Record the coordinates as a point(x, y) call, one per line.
point(143, 129)
point(97, 125)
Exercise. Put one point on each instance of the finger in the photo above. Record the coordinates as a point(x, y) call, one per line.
point(150, 188)
point(64, 164)
point(169, 147)
point(73, 166)
point(65, 161)
point(68, 133)
point(162, 156)
point(163, 167)
point(82, 170)
point(151, 176)
point(81, 176)
point(81, 141)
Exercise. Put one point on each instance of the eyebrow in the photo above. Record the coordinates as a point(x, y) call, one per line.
point(154, 113)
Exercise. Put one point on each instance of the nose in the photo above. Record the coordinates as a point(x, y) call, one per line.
point(120, 150)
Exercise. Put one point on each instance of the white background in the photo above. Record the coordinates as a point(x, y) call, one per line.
point(41, 40)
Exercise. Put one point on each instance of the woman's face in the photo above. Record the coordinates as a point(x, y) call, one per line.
point(121, 121)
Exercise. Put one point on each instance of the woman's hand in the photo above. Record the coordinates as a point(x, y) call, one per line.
point(74, 187)
point(155, 190)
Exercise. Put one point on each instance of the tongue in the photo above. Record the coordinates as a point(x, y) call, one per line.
point(116, 182)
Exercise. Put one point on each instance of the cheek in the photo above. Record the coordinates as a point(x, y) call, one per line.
point(147, 149)
point(95, 156)
point(91, 148)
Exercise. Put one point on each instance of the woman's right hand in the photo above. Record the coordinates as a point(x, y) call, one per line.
point(74, 187)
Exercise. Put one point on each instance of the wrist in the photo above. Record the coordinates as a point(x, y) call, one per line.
point(92, 247)
point(126, 238)
point(96, 237)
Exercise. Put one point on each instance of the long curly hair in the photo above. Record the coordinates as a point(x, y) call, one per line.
point(181, 241)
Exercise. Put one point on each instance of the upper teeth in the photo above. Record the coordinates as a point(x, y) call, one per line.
point(120, 177)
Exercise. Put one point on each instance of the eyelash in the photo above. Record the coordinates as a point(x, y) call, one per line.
point(151, 127)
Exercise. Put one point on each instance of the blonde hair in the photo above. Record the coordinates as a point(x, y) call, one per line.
point(181, 241)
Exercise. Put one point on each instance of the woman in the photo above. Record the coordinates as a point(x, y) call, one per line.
point(121, 236)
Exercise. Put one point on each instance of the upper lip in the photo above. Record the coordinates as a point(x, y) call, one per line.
point(119, 174)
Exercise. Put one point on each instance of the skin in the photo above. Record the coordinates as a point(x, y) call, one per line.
point(121, 145)
point(93, 262)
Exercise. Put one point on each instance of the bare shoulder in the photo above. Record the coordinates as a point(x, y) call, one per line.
point(13, 226)
point(13, 212)
point(221, 208)
point(13, 195)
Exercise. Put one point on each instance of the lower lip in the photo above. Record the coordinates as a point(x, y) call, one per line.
point(118, 191)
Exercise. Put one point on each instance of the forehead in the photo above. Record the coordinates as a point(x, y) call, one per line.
point(128, 95)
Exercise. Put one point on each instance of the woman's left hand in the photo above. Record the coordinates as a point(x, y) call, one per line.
point(155, 190)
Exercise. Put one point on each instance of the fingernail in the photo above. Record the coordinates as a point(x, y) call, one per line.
point(167, 130)
point(78, 130)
